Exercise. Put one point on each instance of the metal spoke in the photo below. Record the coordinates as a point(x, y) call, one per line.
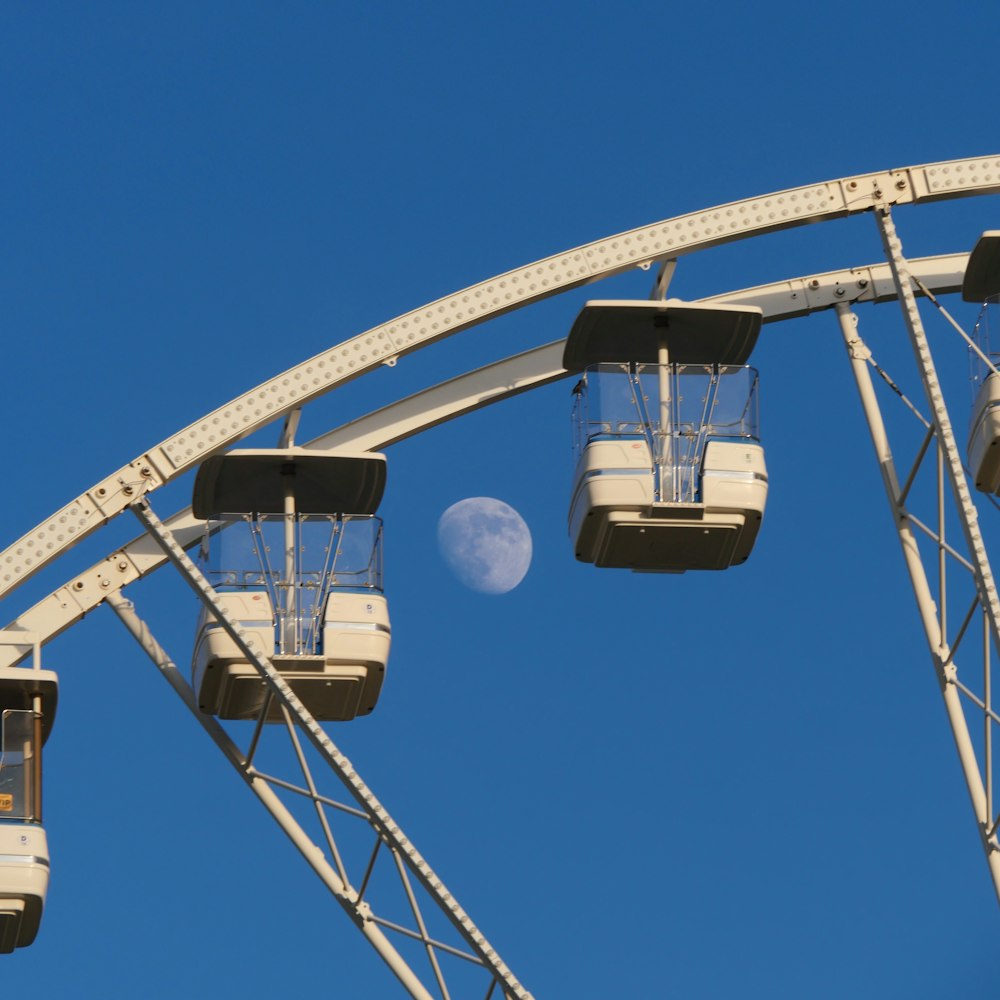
point(942, 422)
point(884, 375)
point(440, 945)
point(941, 657)
point(977, 701)
point(309, 851)
point(258, 727)
point(419, 917)
point(320, 812)
point(957, 641)
point(935, 537)
point(905, 491)
point(402, 848)
point(371, 867)
point(970, 343)
point(306, 794)
point(987, 711)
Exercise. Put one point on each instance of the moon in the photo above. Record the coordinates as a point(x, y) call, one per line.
point(485, 543)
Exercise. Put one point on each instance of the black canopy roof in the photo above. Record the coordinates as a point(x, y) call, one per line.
point(624, 331)
point(982, 273)
point(19, 685)
point(253, 481)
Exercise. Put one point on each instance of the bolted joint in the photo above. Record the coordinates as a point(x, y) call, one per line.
point(362, 913)
point(858, 350)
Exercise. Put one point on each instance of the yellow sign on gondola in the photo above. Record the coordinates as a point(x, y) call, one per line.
point(6, 803)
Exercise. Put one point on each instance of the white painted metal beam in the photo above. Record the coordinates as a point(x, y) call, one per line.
point(780, 300)
point(386, 343)
point(464, 394)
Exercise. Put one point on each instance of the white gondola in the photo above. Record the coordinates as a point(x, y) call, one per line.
point(27, 710)
point(293, 550)
point(982, 284)
point(670, 473)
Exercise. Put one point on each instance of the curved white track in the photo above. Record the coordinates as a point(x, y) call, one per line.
point(386, 343)
point(779, 301)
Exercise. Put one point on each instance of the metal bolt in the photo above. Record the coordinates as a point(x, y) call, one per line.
point(146, 472)
point(900, 184)
point(122, 565)
point(814, 283)
point(838, 291)
point(105, 583)
point(128, 490)
point(852, 185)
point(78, 585)
point(101, 491)
point(863, 283)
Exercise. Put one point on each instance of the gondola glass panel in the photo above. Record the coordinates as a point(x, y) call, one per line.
point(670, 473)
point(305, 588)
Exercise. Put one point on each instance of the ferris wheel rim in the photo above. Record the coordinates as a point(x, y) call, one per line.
point(549, 276)
point(501, 380)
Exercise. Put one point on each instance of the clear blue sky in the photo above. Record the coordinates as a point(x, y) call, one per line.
point(718, 785)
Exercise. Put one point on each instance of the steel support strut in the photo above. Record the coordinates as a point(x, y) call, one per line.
point(941, 656)
point(313, 855)
point(968, 516)
point(376, 814)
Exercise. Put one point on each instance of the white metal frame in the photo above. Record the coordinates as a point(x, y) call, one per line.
point(387, 343)
point(464, 394)
point(931, 583)
point(333, 873)
point(285, 394)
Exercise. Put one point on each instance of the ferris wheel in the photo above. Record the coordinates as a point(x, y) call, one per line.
point(670, 477)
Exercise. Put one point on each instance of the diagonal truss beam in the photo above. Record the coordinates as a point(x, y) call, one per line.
point(932, 614)
point(260, 786)
point(969, 518)
point(403, 850)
